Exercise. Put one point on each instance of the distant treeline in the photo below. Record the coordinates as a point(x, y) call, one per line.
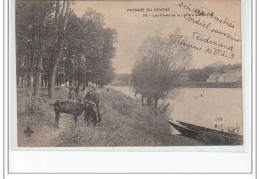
point(122, 79)
point(193, 75)
point(201, 75)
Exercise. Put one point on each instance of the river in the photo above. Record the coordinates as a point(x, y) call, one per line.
point(201, 105)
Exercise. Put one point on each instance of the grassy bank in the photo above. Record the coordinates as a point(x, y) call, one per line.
point(124, 123)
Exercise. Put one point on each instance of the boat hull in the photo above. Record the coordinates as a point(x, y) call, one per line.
point(207, 135)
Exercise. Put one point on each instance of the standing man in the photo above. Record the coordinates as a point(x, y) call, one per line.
point(91, 96)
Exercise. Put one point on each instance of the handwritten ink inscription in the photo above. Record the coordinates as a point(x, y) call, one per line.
point(217, 47)
point(211, 33)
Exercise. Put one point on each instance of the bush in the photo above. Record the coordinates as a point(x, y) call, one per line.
point(123, 105)
point(32, 104)
point(118, 101)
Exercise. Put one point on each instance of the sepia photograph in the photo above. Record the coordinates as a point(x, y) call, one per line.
point(128, 73)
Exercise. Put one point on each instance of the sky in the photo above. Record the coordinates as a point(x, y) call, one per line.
point(132, 27)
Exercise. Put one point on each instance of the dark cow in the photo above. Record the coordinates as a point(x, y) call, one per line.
point(73, 108)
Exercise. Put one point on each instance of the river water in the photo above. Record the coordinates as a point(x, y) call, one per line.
point(200, 106)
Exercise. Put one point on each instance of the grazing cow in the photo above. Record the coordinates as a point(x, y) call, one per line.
point(64, 90)
point(73, 108)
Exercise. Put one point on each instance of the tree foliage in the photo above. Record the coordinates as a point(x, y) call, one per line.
point(33, 27)
point(160, 61)
point(55, 45)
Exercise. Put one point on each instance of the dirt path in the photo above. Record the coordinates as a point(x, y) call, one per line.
point(45, 134)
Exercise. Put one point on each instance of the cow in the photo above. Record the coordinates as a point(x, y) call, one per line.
point(75, 109)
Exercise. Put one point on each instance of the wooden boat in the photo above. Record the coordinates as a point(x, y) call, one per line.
point(207, 135)
point(185, 131)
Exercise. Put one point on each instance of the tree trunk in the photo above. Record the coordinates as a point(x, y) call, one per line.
point(32, 48)
point(23, 79)
point(29, 77)
point(61, 75)
point(56, 80)
point(61, 28)
point(22, 83)
point(42, 82)
point(17, 80)
point(149, 101)
point(38, 76)
point(165, 108)
point(51, 84)
point(142, 100)
point(155, 105)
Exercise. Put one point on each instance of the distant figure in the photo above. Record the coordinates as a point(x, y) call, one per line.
point(72, 92)
point(90, 88)
point(64, 90)
point(92, 94)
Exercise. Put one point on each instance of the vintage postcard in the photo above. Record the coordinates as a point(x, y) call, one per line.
point(129, 73)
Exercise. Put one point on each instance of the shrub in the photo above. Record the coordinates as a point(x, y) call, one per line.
point(123, 105)
point(32, 104)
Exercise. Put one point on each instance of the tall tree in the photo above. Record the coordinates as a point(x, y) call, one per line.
point(32, 29)
point(60, 25)
point(160, 61)
point(99, 48)
point(42, 28)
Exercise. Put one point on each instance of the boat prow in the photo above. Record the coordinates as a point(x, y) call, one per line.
point(185, 131)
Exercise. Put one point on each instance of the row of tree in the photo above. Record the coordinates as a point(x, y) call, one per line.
point(55, 45)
